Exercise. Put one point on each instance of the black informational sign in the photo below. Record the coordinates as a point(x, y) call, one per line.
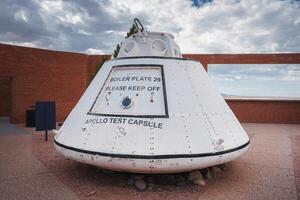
point(45, 116)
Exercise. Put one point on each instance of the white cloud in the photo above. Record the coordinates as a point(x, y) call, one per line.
point(221, 26)
point(93, 51)
point(20, 15)
point(256, 72)
point(281, 80)
point(26, 44)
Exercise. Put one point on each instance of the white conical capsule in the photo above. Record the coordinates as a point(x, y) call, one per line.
point(151, 112)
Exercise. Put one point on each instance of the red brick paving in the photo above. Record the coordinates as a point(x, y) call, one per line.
point(270, 170)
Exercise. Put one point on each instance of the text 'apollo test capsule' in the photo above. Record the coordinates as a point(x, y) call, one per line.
point(151, 111)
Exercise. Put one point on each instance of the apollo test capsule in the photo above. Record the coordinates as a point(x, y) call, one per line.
point(151, 111)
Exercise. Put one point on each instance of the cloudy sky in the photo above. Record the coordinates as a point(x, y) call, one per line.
point(203, 26)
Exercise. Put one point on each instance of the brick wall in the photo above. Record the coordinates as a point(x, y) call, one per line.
point(282, 58)
point(43, 75)
point(266, 111)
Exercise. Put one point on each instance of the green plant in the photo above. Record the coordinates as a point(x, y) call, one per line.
point(99, 65)
point(116, 51)
point(131, 31)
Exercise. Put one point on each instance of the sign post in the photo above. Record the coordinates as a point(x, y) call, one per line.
point(45, 116)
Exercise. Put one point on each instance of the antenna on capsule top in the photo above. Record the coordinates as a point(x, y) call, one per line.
point(138, 25)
